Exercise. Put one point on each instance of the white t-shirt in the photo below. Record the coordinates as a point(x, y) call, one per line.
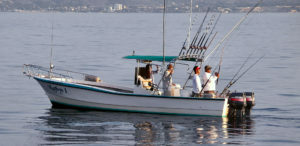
point(196, 84)
point(167, 80)
point(211, 84)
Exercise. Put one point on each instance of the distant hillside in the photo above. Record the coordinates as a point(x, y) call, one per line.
point(144, 5)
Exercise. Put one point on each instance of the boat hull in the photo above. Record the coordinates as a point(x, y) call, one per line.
point(88, 97)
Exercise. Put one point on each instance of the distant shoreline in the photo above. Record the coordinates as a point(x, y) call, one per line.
point(148, 6)
point(25, 11)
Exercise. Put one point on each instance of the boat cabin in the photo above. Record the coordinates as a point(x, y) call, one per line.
point(143, 78)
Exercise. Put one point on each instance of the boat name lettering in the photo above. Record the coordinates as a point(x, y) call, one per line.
point(57, 89)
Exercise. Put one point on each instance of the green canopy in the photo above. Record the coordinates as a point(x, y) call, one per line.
point(156, 58)
point(151, 58)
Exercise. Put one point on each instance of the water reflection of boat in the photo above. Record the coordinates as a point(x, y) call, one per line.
point(240, 126)
point(68, 126)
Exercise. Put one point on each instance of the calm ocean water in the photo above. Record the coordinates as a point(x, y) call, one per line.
point(95, 43)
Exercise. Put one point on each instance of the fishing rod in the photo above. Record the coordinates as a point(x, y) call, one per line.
point(221, 60)
point(242, 65)
point(191, 45)
point(201, 25)
point(198, 60)
point(207, 29)
point(187, 38)
point(211, 40)
point(201, 48)
point(204, 46)
point(198, 48)
point(198, 32)
point(199, 45)
point(231, 83)
point(219, 16)
point(200, 55)
point(233, 28)
point(183, 47)
point(205, 51)
point(201, 40)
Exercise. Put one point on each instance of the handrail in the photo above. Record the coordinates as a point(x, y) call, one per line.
point(32, 70)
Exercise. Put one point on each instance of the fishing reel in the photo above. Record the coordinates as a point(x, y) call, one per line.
point(154, 87)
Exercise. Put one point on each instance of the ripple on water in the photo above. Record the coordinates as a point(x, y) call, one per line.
point(62, 126)
point(290, 95)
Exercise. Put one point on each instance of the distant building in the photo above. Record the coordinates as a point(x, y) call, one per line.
point(110, 9)
point(118, 7)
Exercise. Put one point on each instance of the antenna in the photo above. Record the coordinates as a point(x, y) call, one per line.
point(51, 66)
point(51, 53)
point(190, 27)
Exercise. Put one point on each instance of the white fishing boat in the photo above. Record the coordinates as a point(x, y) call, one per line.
point(79, 90)
point(63, 90)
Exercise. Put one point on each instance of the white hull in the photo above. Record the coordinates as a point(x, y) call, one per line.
point(84, 96)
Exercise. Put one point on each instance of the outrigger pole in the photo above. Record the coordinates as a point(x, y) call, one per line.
point(234, 28)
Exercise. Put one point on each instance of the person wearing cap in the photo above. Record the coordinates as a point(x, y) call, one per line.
point(196, 83)
point(209, 82)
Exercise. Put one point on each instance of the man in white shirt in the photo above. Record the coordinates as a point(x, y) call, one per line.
point(196, 83)
point(209, 82)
